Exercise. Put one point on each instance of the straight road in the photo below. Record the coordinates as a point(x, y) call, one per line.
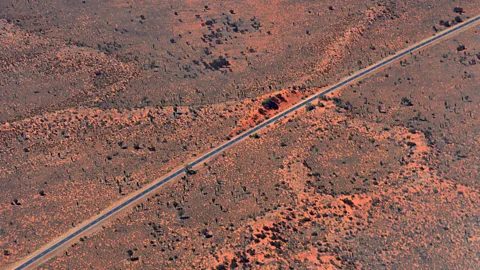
point(44, 253)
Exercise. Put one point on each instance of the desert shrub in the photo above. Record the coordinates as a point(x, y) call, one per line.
point(310, 107)
point(338, 102)
point(406, 102)
point(445, 23)
point(218, 63)
point(270, 103)
point(458, 10)
point(280, 98)
point(347, 106)
point(255, 136)
point(411, 144)
point(221, 267)
point(188, 169)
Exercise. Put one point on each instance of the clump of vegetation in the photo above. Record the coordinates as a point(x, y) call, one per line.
point(338, 102)
point(444, 23)
point(406, 102)
point(458, 10)
point(15, 202)
point(280, 98)
point(270, 103)
point(131, 257)
point(255, 136)
point(188, 169)
point(310, 107)
point(109, 47)
point(221, 267)
point(206, 233)
point(218, 63)
point(411, 144)
point(348, 202)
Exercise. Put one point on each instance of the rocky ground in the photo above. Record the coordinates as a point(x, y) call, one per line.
point(98, 100)
point(378, 177)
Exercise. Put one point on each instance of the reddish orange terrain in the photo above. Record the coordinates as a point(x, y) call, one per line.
point(100, 98)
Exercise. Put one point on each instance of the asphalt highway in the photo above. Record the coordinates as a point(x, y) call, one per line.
point(55, 245)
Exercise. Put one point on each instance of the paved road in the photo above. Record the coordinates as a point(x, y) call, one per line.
point(63, 241)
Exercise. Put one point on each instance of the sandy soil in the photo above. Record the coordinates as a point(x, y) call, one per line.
point(382, 175)
point(99, 99)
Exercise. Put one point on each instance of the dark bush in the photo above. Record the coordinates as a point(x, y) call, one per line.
point(445, 23)
point(255, 136)
point(338, 102)
point(276, 244)
point(270, 103)
point(188, 169)
point(411, 144)
point(348, 202)
point(221, 267)
point(15, 202)
point(280, 98)
point(458, 10)
point(233, 263)
point(406, 102)
point(310, 107)
point(219, 63)
point(210, 22)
